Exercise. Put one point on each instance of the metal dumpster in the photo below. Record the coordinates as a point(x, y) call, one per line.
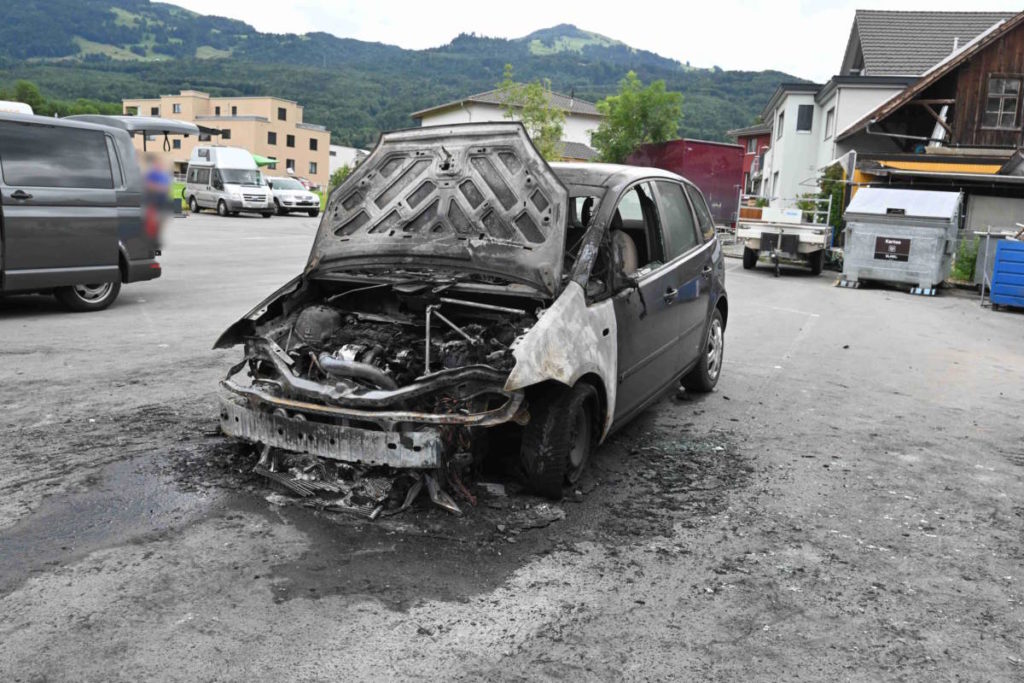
point(901, 236)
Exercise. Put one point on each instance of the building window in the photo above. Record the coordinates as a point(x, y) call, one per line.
point(751, 145)
point(176, 108)
point(746, 183)
point(154, 111)
point(312, 144)
point(176, 144)
point(282, 114)
point(216, 111)
point(271, 138)
point(781, 127)
point(225, 133)
point(272, 167)
point(234, 110)
point(312, 168)
point(830, 122)
point(1002, 103)
point(332, 153)
point(289, 164)
point(290, 141)
point(804, 118)
point(775, 183)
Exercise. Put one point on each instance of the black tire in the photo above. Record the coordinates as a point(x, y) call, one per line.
point(222, 209)
point(749, 258)
point(816, 261)
point(268, 214)
point(704, 376)
point(193, 205)
point(313, 213)
point(86, 298)
point(280, 209)
point(559, 437)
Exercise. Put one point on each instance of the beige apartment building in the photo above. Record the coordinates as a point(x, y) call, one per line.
point(267, 126)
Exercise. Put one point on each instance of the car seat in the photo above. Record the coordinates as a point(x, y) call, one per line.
point(624, 245)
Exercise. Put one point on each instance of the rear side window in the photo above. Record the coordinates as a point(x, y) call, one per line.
point(54, 156)
point(203, 176)
point(700, 207)
point(676, 219)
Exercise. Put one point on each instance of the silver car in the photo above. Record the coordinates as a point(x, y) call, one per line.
point(290, 195)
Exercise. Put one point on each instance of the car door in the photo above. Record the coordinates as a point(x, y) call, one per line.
point(689, 259)
point(204, 195)
point(59, 206)
point(648, 320)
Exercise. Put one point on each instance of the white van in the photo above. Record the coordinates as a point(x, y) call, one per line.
point(8, 107)
point(226, 179)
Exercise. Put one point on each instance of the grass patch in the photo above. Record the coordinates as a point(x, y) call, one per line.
point(208, 52)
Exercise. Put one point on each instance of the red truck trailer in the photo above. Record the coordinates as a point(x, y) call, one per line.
point(715, 167)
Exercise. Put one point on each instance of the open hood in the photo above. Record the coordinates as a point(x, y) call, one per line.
point(471, 197)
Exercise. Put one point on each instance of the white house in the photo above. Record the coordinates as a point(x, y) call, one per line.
point(345, 156)
point(581, 118)
point(886, 52)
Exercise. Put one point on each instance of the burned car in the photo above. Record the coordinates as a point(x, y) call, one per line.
point(463, 292)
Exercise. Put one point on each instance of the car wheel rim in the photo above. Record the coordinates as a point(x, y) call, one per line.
point(93, 293)
point(715, 347)
point(580, 444)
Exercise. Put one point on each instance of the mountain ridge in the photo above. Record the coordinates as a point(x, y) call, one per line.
point(113, 49)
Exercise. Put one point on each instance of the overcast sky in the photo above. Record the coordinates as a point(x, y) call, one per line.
point(803, 38)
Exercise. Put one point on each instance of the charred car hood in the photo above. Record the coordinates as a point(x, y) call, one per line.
point(474, 197)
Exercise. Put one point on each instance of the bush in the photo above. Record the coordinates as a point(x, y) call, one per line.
point(965, 261)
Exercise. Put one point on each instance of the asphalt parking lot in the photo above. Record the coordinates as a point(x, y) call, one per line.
point(848, 505)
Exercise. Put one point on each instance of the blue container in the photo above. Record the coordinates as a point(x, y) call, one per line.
point(1008, 274)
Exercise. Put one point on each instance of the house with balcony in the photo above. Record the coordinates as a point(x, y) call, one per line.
point(267, 126)
point(960, 126)
point(887, 52)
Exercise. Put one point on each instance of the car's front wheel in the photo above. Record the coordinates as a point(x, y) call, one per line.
point(559, 437)
point(222, 208)
point(84, 298)
point(704, 376)
point(280, 209)
point(313, 213)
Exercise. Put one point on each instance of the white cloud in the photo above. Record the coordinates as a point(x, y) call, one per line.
point(805, 38)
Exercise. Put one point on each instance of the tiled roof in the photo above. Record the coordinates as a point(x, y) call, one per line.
point(899, 43)
point(756, 129)
point(567, 103)
point(577, 150)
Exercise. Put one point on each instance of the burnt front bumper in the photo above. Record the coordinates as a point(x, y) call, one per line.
point(419, 449)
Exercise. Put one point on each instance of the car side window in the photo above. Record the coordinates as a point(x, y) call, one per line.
point(635, 230)
point(676, 219)
point(700, 207)
point(35, 155)
point(203, 176)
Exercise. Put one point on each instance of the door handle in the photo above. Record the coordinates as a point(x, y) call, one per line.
point(706, 271)
point(670, 295)
point(20, 194)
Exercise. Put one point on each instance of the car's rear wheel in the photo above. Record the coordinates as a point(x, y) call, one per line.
point(313, 213)
point(193, 205)
point(749, 258)
point(559, 437)
point(704, 376)
point(222, 208)
point(268, 214)
point(83, 298)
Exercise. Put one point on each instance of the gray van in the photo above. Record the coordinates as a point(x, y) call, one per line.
point(71, 218)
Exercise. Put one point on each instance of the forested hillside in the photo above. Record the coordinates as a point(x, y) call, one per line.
point(111, 49)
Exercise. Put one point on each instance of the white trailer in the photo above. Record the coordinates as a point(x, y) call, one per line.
point(786, 236)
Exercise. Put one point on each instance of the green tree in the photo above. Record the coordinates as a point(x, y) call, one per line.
point(531, 103)
point(637, 115)
point(338, 177)
point(28, 92)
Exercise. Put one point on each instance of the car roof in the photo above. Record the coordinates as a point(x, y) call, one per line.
point(52, 121)
point(607, 175)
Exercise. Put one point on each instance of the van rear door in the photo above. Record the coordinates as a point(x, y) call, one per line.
point(59, 206)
